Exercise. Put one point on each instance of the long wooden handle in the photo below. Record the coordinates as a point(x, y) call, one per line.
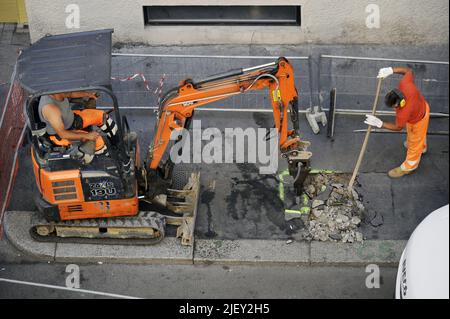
point(366, 138)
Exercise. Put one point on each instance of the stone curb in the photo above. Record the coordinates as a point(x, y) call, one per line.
point(16, 227)
point(168, 251)
point(207, 251)
point(380, 252)
point(248, 251)
point(17, 224)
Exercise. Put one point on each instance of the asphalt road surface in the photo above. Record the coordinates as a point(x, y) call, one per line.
point(185, 281)
point(200, 281)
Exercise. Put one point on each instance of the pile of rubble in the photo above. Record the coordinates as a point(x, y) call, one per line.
point(335, 214)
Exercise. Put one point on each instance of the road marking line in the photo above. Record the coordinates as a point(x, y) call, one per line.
point(67, 289)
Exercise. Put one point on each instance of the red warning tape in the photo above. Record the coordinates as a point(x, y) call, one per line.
point(157, 91)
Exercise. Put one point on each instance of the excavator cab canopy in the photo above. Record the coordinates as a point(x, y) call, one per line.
point(67, 62)
point(79, 61)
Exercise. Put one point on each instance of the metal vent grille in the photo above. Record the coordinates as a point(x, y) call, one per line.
point(74, 208)
point(64, 190)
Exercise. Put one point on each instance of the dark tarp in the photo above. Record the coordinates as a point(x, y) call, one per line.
point(66, 62)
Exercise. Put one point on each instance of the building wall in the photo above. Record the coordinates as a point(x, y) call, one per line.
point(414, 22)
point(12, 11)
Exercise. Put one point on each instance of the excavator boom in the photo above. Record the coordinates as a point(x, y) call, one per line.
point(179, 104)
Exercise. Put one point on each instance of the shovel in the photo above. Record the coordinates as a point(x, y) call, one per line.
point(366, 139)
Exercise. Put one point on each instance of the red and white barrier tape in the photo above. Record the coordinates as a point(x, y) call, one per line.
point(157, 91)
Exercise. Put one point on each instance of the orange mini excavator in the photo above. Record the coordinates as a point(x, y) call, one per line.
point(99, 200)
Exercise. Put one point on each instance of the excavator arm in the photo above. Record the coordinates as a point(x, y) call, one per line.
point(178, 105)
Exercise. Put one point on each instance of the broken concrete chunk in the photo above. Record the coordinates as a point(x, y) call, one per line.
point(340, 218)
point(356, 220)
point(323, 188)
point(322, 235)
point(350, 238)
point(317, 212)
point(345, 225)
point(359, 205)
point(359, 237)
point(345, 238)
point(355, 194)
point(310, 191)
point(335, 236)
point(317, 203)
point(331, 225)
point(324, 195)
point(323, 219)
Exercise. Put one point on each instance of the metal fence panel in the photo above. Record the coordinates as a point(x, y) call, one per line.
point(133, 93)
point(355, 80)
point(12, 129)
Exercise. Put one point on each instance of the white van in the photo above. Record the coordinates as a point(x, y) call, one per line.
point(423, 271)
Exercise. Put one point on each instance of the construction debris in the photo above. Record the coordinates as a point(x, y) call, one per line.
point(336, 215)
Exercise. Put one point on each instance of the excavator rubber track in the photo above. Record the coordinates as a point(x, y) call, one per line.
point(146, 228)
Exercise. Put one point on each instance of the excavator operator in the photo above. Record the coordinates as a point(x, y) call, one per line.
point(65, 125)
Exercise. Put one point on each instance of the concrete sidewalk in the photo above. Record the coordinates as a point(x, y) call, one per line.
point(244, 251)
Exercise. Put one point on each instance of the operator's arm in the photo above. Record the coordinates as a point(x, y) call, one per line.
point(53, 115)
point(79, 94)
point(391, 126)
point(401, 70)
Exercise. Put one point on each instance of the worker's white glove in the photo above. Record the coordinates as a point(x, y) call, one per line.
point(373, 121)
point(385, 72)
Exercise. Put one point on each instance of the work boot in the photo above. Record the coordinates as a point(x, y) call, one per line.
point(425, 150)
point(398, 172)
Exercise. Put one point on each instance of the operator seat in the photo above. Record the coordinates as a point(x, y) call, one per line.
point(37, 127)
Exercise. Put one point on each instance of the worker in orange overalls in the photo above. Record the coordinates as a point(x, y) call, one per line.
point(65, 125)
point(412, 111)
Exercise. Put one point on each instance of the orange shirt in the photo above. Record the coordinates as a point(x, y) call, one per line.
point(415, 107)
